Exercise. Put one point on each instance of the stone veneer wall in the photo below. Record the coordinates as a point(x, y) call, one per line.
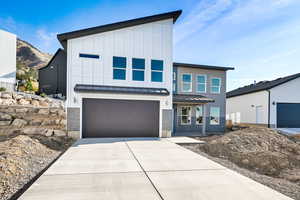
point(31, 114)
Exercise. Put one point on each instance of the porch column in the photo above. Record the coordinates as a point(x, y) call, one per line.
point(204, 120)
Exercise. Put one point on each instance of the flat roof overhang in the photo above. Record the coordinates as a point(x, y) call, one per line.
point(120, 90)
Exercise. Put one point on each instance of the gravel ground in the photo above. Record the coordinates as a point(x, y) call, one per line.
point(22, 158)
point(281, 185)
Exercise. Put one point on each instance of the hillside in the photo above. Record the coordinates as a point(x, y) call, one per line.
point(30, 56)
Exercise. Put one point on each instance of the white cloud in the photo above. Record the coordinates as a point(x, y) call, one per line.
point(47, 39)
point(8, 24)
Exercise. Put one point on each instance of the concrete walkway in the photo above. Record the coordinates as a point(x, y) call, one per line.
point(141, 169)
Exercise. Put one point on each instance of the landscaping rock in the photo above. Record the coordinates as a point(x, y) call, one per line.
point(5, 123)
point(35, 103)
point(49, 133)
point(6, 95)
point(5, 117)
point(44, 111)
point(24, 102)
point(36, 122)
point(34, 131)
point(44, 104)
point(60, 133)
point(21, 110)
point(19, 123)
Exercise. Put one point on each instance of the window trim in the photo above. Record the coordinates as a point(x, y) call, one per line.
point(133, 69)
point(211, 115)
point(205, 83)
point(191, 83)
point(190, 115)
point(197, 123)
point(119, 68)
point(211, 86)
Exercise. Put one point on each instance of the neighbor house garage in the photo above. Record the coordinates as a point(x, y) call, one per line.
point(270, 103)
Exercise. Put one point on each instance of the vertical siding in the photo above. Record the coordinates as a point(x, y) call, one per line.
point(7, 57)
point(149, 41)
point(242, 109)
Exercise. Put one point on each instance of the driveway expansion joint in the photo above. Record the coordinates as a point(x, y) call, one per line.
point(145, 172)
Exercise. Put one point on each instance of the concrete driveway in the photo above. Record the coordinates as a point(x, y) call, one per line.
point(141, 169)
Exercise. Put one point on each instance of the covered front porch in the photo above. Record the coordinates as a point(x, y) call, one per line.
point(190, 115)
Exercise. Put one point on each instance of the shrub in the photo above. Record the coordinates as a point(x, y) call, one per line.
point(2, 89)
point(43, 95)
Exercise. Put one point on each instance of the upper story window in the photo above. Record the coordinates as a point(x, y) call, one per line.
point(157, 67)
point(215, 85)
point(84, 55)
point(119, 68)
point(201, 83)
point(214, 115)
point(138, 69)
point(187, 82)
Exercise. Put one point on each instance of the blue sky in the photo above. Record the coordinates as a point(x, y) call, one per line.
point(260, 38)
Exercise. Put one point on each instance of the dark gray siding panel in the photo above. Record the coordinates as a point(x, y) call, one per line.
point(120, 118)
point(288, 115)
point(53, 77)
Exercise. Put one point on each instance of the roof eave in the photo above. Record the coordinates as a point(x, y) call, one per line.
point(119, 25)
point(177, 64)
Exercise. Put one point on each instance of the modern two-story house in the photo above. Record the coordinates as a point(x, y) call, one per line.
point(121, 82)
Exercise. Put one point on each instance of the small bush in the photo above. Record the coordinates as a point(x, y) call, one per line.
point(2, 89)
point(43, 95)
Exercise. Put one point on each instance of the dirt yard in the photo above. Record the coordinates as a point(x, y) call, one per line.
point(23, 157)
point(259, 153)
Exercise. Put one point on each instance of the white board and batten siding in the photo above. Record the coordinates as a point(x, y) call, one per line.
point(288, 92)
point(249, 108)
point(8, 43)
point(148, 41)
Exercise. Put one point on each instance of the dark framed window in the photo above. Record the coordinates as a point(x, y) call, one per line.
point(119, 68)
point(84, 55)
point(138, 69)
point(157, 67)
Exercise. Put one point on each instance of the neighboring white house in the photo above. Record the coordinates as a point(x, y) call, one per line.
point(275, 104)
point(8, 42)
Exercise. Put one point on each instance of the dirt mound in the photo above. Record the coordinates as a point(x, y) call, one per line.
point(259, 149)
point(21, 158)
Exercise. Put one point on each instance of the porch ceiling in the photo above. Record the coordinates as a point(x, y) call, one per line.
point(192, 99)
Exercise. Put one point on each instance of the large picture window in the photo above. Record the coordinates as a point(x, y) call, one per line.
point(201, 83)
point(157, 67)
point(185, 115)
point(138, 69)
point(199, 114)
point(187, 82)
point(119, 68)
point(216, 85)
point(214, 115)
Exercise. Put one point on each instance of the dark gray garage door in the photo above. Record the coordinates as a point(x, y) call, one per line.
point(288, 115)
point(120, 118)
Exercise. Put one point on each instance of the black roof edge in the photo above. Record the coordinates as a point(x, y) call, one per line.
point(118, 25)
point(288, 78)
point(56, 53)
point(177, 64)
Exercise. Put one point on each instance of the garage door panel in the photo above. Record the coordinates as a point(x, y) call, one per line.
point(288, 115)
point(120, 118)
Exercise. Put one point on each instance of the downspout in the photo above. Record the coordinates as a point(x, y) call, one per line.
point(269, 107)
